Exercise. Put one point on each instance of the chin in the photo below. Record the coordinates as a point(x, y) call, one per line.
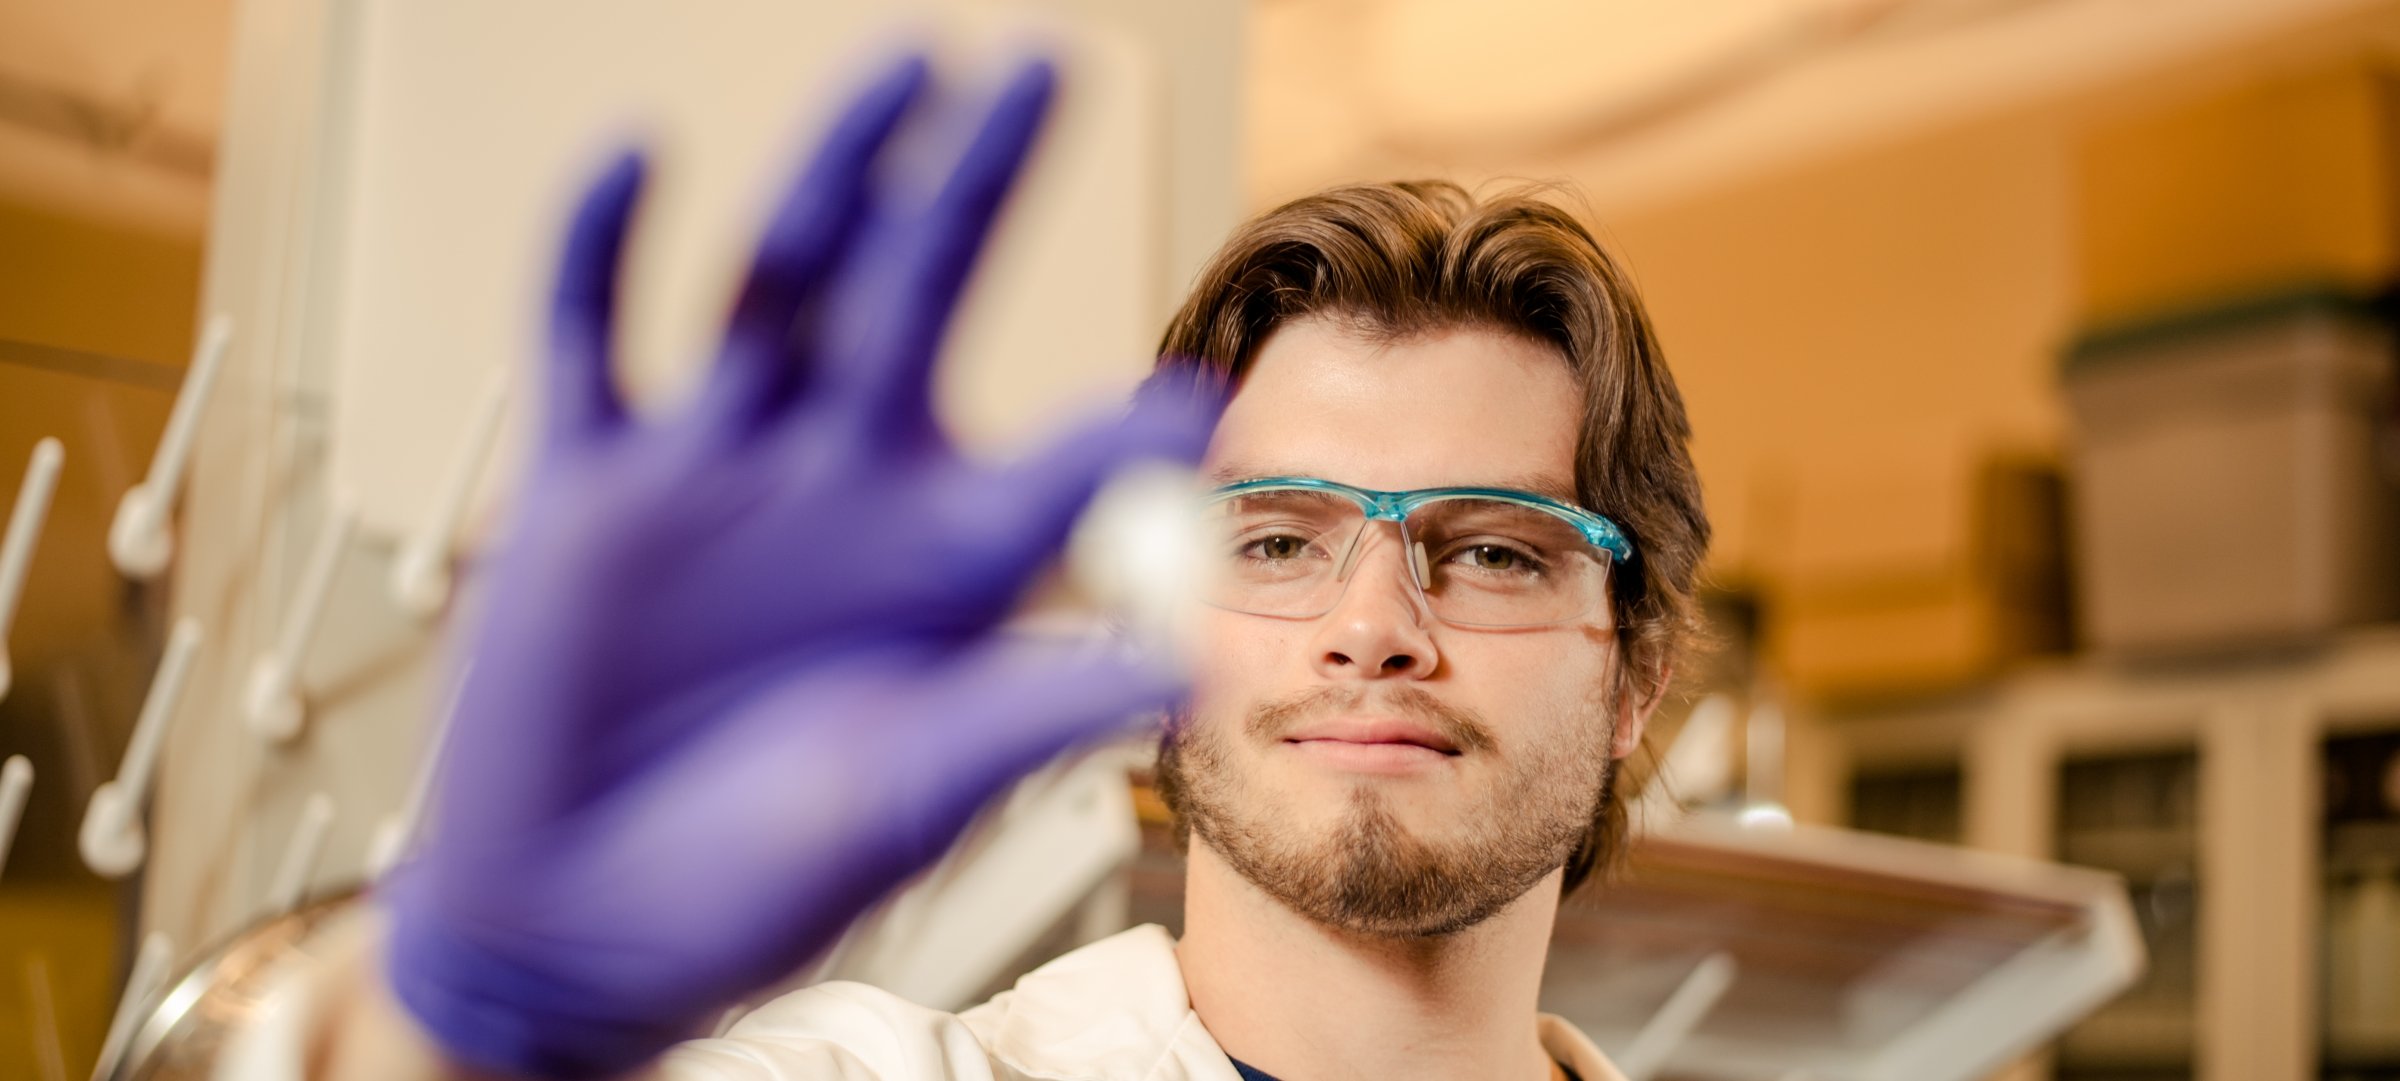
point(1320, 806)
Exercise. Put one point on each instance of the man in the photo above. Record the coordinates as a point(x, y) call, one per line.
point(735, 672)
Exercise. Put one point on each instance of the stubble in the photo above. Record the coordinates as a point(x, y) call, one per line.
point(1370, 874)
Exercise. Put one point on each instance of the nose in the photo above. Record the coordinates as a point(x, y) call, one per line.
point(1379, 628)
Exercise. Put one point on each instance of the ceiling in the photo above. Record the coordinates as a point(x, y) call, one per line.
point(111, 108)
point(1646, 99)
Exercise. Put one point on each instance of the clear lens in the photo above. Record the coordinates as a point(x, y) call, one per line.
point(1494, 563)
point(1478, 561)
point(1280, 552)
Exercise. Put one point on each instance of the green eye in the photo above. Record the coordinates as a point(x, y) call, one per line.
point(1492, 557)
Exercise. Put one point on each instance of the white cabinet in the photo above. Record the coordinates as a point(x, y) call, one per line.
point(2202, 783)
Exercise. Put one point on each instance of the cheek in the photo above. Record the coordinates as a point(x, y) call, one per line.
point(1540, 663)
point(1240, 660)
point(1555, 682)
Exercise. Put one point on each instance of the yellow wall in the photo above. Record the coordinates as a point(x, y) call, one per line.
point(97, 287)
point(1880, 314)
point(2285, 179)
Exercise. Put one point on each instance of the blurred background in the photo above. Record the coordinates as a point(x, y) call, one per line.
point(2040, 354)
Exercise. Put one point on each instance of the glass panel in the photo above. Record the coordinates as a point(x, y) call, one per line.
point(2139, 817)
point(2361, 917)
point(1922, 804)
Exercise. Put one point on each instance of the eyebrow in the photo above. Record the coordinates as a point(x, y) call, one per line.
point(1542, 484)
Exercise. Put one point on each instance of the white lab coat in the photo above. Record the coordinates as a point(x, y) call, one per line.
point(1112, 1011)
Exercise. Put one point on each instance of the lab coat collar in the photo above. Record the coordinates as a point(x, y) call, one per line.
point(1117, 1008)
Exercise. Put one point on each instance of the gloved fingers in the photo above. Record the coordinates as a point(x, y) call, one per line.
point(900, 745)
point(1010, 707)
point(892, 371)
point(580, 400)
point(810, 236)
point(1171, 418)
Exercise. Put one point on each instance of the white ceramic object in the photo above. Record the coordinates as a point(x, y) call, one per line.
point(24, 530)
point(140, 540)
point(420, 582)
point(272, 699)
point(16, 782)
point(112, 840)
point(300, 854)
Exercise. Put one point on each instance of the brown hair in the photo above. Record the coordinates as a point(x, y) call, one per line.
point(1392, 261)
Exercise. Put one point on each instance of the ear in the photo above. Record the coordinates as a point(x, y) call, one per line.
point(1633, 715)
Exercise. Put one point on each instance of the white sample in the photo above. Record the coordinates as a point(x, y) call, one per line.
point(1137, 550)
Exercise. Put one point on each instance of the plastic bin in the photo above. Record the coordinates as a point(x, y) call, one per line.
point(2233, 482)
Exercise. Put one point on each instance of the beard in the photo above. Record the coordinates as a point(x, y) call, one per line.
point(1370, 874)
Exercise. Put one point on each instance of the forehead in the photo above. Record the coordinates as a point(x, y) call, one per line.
point(1453, 407)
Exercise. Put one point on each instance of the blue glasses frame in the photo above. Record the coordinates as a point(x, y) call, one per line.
point(1396, 506)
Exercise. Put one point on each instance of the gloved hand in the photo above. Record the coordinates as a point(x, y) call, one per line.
point(734, 674)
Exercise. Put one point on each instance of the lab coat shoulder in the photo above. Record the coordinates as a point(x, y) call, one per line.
point(1115, 1010)
point(845, 1031)
point(1112, 1011)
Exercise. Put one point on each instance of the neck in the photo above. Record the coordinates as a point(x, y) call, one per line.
point(1307, 1002)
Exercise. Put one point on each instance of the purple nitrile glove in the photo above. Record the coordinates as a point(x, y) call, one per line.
point(735, 673)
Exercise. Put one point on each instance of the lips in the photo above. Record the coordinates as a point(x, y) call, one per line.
point(1373, 731)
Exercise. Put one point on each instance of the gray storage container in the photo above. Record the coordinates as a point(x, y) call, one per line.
point(2233, 481)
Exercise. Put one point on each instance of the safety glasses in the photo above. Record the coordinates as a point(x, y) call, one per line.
point(1478, 557)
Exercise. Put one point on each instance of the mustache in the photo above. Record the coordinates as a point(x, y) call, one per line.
point(1464, 728)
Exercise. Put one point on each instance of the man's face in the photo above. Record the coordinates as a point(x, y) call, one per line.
point(1300, 761)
